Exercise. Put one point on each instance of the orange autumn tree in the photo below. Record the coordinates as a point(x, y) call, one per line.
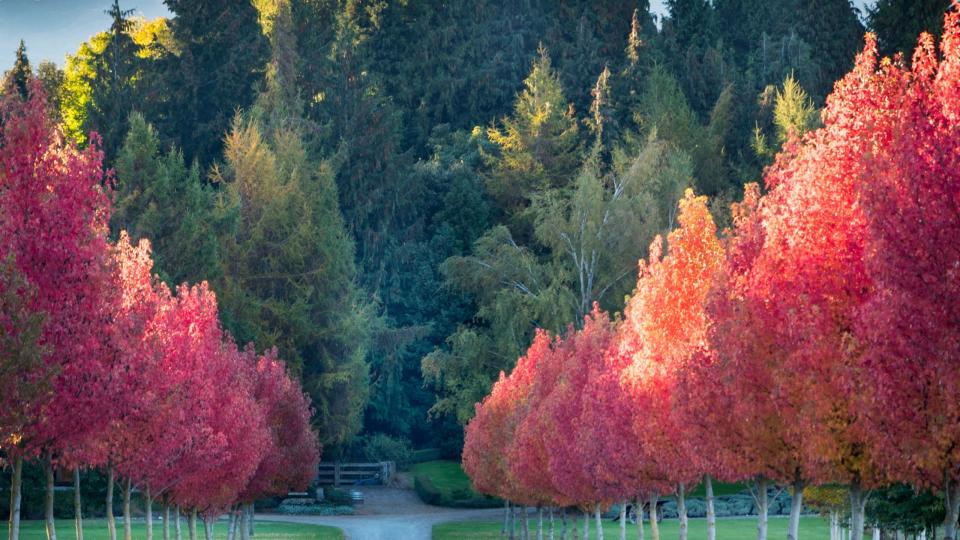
point(665, 330)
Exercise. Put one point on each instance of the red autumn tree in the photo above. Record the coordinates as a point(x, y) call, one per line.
point(528, 455)
point(492, 430)
point(289, 461)
point(743, 411)
point(910, 190)
point(665, 330)
point(809, 282)
point(53, 219)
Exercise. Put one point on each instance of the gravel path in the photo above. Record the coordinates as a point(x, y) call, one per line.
point(390, 514)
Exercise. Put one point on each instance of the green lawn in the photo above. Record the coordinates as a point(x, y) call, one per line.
point(811, 528)
point(96, 529)
point(446, 476)
point(443, 483)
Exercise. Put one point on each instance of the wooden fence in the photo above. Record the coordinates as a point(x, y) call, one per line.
point(339, 474)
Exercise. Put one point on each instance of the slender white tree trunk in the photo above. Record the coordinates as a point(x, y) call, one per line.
point(563, 524)
point(858, 502)
point(16, 481)
point(127, 525)
point(77, 504)
point(51, 525)
point(654, 526)
point(244, 523)
point(166, 522)
point(253, 512)
point(539, 523)
point(586, 525)
point(876, 534)
point(550, 536)
point(682, 511)
point(951, 495)
point(834, 533)
point(506, 519)
point(599, 521)
point(176, 515)
point(232, 524)
point(111, 521)
point(711, 512)
point(208, 528)
point(762, 506)
point(526, 523)
point(192, 524)
point(638, 509)
point(623, 520)
point(148, 511)
point(512, 526)
point(796, 506)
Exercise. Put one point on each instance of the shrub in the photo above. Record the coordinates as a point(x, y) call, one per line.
point(383, 447)
point(337, 496)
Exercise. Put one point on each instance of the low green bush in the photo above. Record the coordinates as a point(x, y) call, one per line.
point(427, 492)
point(315, 509)
point(337, 496)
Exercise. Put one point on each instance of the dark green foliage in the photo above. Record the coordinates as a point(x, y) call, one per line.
point(898, 23)
point(18, 78)
point(288, 278)
point(160, 198)
point(220, 58)
point(394, 202)
point(901, 508)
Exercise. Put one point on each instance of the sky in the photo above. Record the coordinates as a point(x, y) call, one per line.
point(53, 28)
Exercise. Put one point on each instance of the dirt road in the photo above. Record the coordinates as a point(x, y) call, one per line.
point(390, 514)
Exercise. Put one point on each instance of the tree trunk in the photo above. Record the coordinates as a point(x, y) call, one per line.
point(511, 527)
point(244, 528)
point(176, 514)
point(539, 523)
point(234, 524)
point(550, 536)
point(858, 502)
point(192, 524)
point(526, 524)
point(253, 513)
point(111, 521)
point(711, 513)
point(599, 520)
point(16, 481)
point(586, 525)
point(563, 524)
point(796, 506)
point(506, 519)
point(148, 511)
point(654, 526)
point(760, 497)
point(638, 510)
point(951, 503)
point(166, 522)
point(127, 525)
point(51, 525)
point(682, 512)
point(623, 520)
point(77, 504)
point(208, 528)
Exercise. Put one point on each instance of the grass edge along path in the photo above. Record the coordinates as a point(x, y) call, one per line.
point(737, 528)
point(96, 529)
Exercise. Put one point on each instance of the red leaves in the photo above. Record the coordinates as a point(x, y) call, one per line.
point(142, 379)
point(819, 343)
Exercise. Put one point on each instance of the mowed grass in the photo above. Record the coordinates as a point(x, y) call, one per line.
point(811, 528)
point(96, 529)
point(446, 476)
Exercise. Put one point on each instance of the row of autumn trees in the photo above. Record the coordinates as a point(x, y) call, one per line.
point(813, 342)
point(104, 366)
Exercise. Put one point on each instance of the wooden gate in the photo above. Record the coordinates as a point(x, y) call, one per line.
point(348, 474)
